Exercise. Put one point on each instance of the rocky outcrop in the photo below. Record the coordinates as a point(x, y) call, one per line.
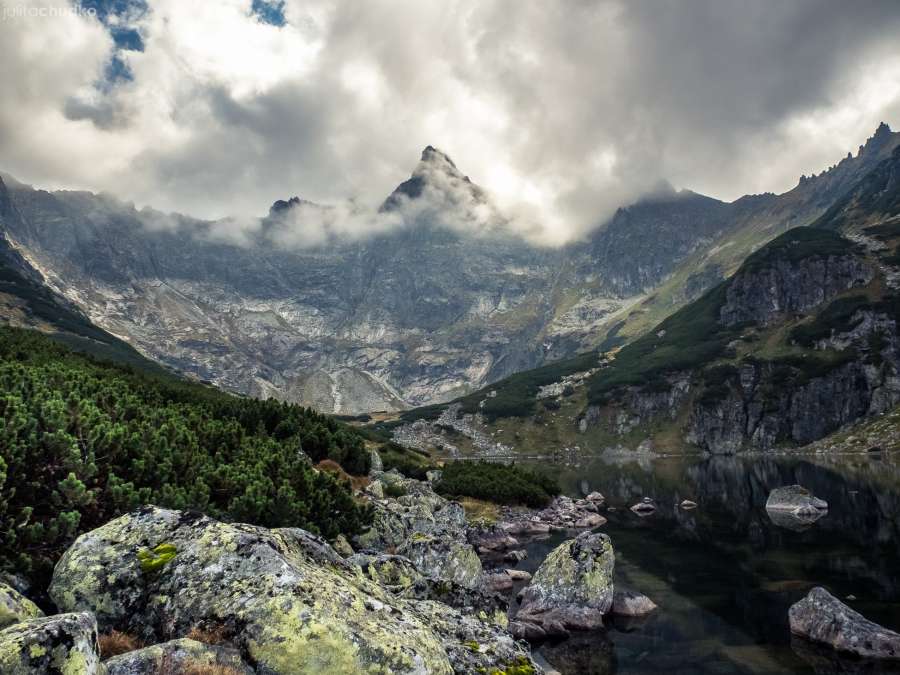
point(787, 286)
point(15, 607)
point(411, 520)
point(65, 644)
point(572, 589)
point(177, 656)
point(820, 617)
point(283, 597)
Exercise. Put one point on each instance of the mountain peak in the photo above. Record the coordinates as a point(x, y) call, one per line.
point(432, 155)
point(280, 205)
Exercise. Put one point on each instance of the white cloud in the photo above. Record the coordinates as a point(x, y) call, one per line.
point(562, 110)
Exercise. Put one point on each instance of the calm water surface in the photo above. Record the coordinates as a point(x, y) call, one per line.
point(724, 575)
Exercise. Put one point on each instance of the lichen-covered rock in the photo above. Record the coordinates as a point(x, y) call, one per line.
point(444, 558)
point(399, 575)
point(423, 526)
point(795, 499)
point(176, 656)
point(821, 617)
point(573, 586)
point(15, 607)
point(285, 599)
point(65, 644)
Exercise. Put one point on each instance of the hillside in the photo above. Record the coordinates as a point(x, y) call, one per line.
point(801, 341)
point(85, 440)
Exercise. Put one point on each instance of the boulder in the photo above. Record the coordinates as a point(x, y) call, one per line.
point(15, 607)
point(590, 521)
point(422, 526)
point(627, 602)
point(688, 505)
point(644, 507)
point(795, 499)
point(498, 581)
point(519, 575)
point(595, 497)
point(573, 586)
point(178, 656)
point(821, 617)
point(286, 600)
point(65, 644)
point(516, 555)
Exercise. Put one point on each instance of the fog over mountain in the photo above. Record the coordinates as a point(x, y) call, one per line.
point(563, 111)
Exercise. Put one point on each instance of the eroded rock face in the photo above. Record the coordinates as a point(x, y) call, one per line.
point(175, 656)
point(15, 607)
point(820, 617)
point(573, 587)
point(287, 601)
point(66, 644)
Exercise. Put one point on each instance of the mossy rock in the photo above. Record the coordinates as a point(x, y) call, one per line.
point(182, 654)
point(290, 603)
point(65, 644)
point(15, 607)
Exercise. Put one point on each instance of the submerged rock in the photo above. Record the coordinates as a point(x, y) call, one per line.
point(66, 644)
point(821, 617)
point(627, 602)
point(687, 505)
point(15, 607)
point(178, 656)
point(285, 599)
point(795, 499)
point(573, 587)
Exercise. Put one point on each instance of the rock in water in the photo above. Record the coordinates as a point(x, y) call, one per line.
point(15, 607)
point(573, 587)
point(631, 603)
point(182, 655)
point(284, 598)
point(795, 499)
point(821, 617)
point(66, 644)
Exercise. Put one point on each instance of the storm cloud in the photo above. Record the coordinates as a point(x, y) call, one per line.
point(561, 110)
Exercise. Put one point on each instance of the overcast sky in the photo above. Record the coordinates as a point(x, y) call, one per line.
point(563, 110)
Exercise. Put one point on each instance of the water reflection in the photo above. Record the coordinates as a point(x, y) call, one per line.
point(724, 574)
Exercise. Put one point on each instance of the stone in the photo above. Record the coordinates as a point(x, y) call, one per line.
point(177, 656)
point(516, 555)
point(285, 599)
point(65, 644)
point(15, 607)
point(342, 547)
point(590, 520)
point(644, 508)
point(795, 499)
point(498, 582)
point(519, 575)
point(821, 617)
point(627, 602)
point(444, 558)
point(573, 586)
point(688, 505)
point(596, 497)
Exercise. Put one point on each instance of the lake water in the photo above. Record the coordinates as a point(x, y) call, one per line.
point(724, 575)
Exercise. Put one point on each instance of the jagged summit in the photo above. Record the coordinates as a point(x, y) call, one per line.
point(281, 206)
point(432, 154)
point(437, 172)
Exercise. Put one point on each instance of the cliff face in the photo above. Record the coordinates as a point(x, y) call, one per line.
point(785, 287)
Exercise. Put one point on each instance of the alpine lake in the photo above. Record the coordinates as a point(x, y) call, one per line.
point(724, 574)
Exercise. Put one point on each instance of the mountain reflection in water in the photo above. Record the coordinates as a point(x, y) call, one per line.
point(724, 574)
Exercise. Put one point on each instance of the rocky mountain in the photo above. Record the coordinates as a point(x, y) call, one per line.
point(431, 298)
point(26, 302)
point(800, 342)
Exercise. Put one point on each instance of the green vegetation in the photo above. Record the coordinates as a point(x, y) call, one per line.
point(693, 337)
point(798, 244)
point(499, 483)
point(155, 560)
point(82, 441)
point(411, 463)
point(516, 393)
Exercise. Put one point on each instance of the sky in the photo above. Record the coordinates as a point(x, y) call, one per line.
point(561, 110)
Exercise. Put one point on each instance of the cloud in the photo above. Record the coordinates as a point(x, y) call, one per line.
point(563, 111)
